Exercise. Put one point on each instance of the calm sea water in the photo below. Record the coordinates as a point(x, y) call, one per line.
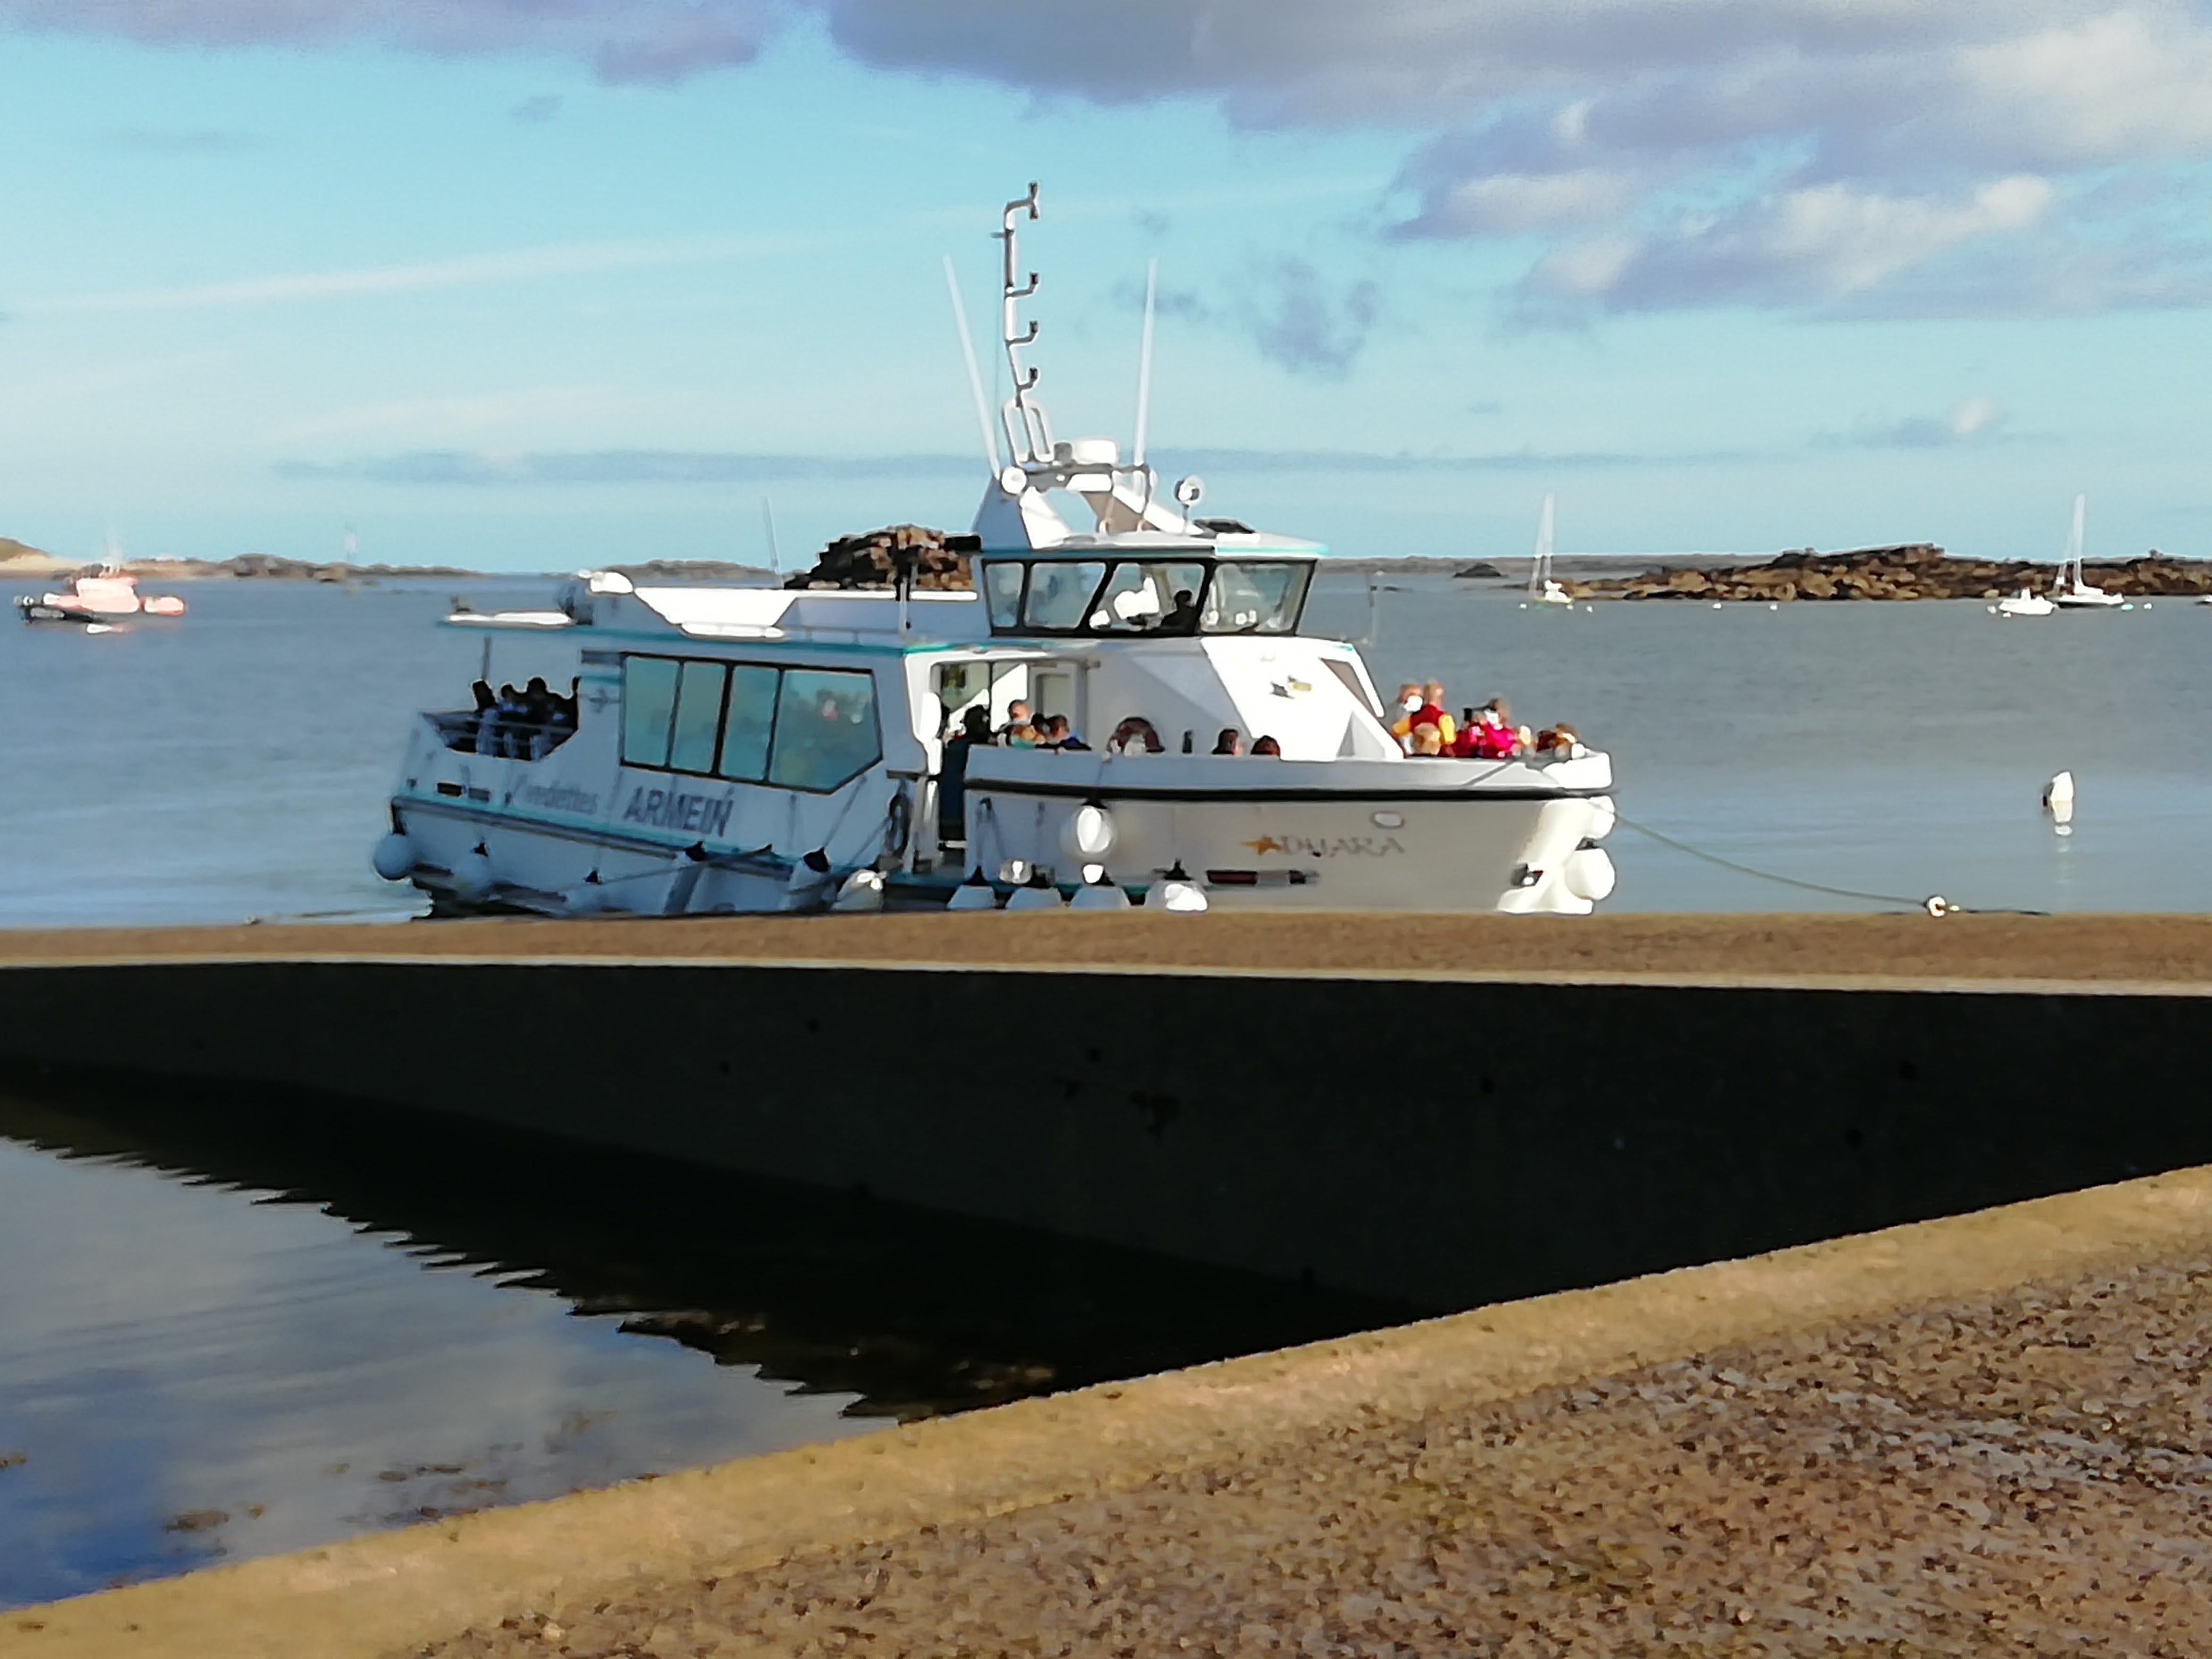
point(217, 1341)
point(237, 764)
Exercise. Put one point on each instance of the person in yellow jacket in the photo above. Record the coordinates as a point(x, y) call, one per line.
point(1429, 711)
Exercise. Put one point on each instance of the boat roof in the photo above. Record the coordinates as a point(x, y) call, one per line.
point(1161, 545)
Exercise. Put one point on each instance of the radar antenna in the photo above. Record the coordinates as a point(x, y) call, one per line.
point(1029, 436)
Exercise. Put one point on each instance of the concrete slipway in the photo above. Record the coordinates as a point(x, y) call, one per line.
point(1983, 1434)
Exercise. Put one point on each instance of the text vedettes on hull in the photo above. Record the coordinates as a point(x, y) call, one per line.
point(751, 749)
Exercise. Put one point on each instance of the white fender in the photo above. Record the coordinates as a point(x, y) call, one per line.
point(394, 857)
point(1100, 894)
point(863, 890)
point(973, 893)
point(1589, 873)
point(473, 880)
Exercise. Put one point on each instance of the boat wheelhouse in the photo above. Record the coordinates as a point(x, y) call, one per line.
point(748, 749)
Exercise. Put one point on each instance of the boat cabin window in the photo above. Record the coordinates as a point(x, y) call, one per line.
point(1157, 596)
point(1002, 592)
point(1059, 595)
point(825, 729)
point(800, 728)
point(1148, 598)
point(748, 722)
point(1254, 596)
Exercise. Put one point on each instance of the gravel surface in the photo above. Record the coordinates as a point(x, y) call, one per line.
point(2031, 1474)
point(1726, 948)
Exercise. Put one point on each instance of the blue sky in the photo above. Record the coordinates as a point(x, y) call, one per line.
point(537, 286)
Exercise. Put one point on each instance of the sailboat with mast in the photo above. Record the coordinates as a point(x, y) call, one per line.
point(2075, 591)
point(1542, 589)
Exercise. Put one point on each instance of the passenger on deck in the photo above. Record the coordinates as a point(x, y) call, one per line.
point(973, 733)
point(480, 729)
point(1058, 734)
point(1230, 742)
point(1020, 734)
point(1428, 711)
point(1135, 735)
point(1182, 616)
point(507, 716)
point(1492, 736)
point(559, 718)
point(1266, 746)
point(1017, 715)
point(1428, 742)
point(534, 740)
point(1559, 741)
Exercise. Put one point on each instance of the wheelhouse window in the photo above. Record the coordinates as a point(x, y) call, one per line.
point(1002, 591)
point(1121, 596)
point(1059, 594)
point(802, 728)
point(1256, 596)
point(1150, 598)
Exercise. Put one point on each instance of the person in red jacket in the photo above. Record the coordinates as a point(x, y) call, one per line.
point(1490, 734)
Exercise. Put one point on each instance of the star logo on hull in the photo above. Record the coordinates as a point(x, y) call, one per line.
point(1264, 845)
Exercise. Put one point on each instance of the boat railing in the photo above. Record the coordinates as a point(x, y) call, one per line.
point(507, 737)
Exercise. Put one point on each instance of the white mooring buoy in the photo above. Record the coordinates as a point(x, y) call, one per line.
point(2058, 801)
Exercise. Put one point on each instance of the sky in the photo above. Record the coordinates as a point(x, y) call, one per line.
point(538, 284)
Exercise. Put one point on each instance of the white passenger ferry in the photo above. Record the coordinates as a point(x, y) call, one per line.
point(752, 749)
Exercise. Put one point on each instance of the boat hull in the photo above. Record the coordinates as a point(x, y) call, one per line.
point(1250, 833)
point(1264, 834)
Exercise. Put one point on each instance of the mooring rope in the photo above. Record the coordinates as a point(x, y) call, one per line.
point(1935, 904)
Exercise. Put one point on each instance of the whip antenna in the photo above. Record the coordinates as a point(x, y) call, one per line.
point(1145, 363)
point(975, 374)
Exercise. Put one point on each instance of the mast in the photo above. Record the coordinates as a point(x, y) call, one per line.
point(1539, 573)
point(2071, 577)
point(1028, 437)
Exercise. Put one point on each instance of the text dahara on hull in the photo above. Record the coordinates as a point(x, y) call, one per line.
point(908, 728)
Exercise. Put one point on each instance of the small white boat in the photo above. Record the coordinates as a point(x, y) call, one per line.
point(761, 749)
point(2074, 591)
point(2026, 602)
point(1542, 590)
point(97, 599)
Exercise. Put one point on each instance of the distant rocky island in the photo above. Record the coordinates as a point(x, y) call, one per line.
point(21, 560)
point(1916, 570)
point(1913, 570)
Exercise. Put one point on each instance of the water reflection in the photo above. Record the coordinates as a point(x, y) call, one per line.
point(218, 1337)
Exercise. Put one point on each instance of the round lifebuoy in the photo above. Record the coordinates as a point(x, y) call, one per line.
point(898, 824)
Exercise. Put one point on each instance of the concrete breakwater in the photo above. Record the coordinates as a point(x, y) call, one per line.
point(1437, 1110)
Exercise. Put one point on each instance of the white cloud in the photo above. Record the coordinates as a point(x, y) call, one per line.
point(467, 416)
point(1974, 417)
point(1843, 148)
point(2107, 89)
point(1813, 246)
point(1875, 131)
point(623, 40)
point(518, 265)
point(1503, 203)
point(1971, 420)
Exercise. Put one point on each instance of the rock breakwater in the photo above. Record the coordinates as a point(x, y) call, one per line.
point(1916, 570)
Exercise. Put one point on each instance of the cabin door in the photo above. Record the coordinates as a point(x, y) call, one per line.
point(1052, 691)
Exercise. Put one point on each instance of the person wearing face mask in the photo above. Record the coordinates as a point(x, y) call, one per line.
point(1408, 701)
point(1426, 708)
